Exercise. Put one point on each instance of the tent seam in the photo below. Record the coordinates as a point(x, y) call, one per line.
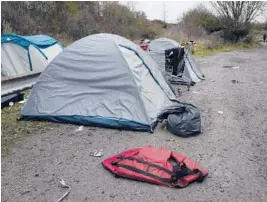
point(139, 92)
point(149, 70)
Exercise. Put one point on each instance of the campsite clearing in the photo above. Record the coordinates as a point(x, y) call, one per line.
point(232, 146)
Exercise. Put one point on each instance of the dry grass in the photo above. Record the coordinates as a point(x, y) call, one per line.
point(201, 49)
point(210, 44)
point(14, 130)
point(64, 39)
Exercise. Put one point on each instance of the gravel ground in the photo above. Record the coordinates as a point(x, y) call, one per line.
point(233, 146)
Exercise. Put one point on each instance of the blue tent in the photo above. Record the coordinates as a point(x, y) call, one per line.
point(16, 48)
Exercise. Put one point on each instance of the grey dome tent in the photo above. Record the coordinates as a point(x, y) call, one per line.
point(102, 80)
point(173, 59)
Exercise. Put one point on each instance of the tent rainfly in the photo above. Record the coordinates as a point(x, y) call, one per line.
point(23, 54)
point(171, 57)
point(102, 80)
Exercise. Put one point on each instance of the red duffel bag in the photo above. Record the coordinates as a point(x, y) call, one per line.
point(155, 165)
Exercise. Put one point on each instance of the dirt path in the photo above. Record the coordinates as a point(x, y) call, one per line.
point(233, 146)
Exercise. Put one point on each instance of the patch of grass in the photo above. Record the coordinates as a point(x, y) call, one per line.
point(14, 130)
point(200, 50)
point(27, 92)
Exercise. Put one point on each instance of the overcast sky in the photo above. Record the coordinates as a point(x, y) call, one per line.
point(174, 9)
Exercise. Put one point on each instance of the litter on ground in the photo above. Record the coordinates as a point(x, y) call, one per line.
point(235, 67)
point(22, 101)
point(63, 185)
point(79, 129)
point(231, 66)
point(97, 153)
point(234, 81)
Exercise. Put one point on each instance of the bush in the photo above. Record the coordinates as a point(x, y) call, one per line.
point(76, 19)
point(249, 39)
point(6, 27)
point(200, 18)
point(236, 18)
point(213, 41)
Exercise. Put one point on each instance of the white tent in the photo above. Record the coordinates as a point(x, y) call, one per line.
point(22, 54)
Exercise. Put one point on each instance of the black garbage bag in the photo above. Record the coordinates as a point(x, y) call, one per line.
point(183, 121)
point(15, 97)
point(184, 124)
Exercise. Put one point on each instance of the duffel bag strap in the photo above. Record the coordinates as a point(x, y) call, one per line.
point(183, 170)
point(171, 179)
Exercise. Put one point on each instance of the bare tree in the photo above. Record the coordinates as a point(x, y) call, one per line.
point(236, 17)
point(130, 5)
point(239, 11)
point(140, 15)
